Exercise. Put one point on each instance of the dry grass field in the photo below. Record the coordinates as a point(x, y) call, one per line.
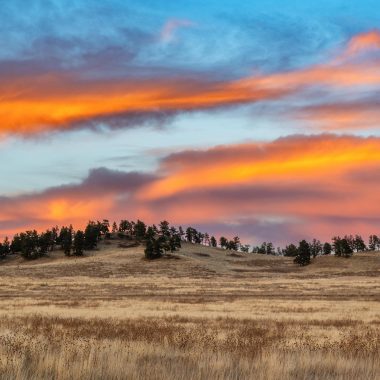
point(200, 314)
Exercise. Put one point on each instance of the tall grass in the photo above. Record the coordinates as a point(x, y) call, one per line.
point(38, 347)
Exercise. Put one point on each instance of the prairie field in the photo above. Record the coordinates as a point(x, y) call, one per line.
point(201, 313)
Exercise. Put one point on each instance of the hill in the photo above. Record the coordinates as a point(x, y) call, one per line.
point(205, 311)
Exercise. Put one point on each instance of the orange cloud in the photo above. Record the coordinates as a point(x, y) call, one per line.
point(364, 41)
point(59, 101)
point(299, 187)
point(314, 186)
point(342, 116)
point(94, 198)
point(38, 104)
point(281, 160)
point(43, 212)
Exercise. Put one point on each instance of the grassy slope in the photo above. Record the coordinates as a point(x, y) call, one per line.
point(202, 313)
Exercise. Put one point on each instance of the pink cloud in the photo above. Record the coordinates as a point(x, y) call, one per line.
point(295, 187)
point(168, 31)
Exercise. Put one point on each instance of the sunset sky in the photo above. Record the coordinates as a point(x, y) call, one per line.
point(256, 118)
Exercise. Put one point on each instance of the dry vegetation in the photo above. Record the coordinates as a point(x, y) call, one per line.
point(200, 314)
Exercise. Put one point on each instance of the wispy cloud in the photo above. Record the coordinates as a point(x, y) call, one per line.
point(299, 184)
point(55, 101)
point(168, 31)
point(363, 42)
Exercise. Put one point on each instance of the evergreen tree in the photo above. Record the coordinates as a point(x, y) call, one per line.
point(29, 244)
point(126, 226)
point(105, 226)
point(350, 241)
point(337, 246)
point(270, 249)
point(223, 242)
point(327, 248)
point(150, 233)
point(79, 243)
point(139, 230)
point(245, 248)
point(346, 247)
point(54, 236)
point(233, 244)
point(207, 239)
point(67, 240)
point(315, 248)
point(181, 232)
point(198, 237)
point(236, 243)
point(164, 228)
point(304, 253)
point(265, 249)
point(190, 234)
point(173, 231)
point(359, 244)
point(374, 241)
point(16, 244)
point(158, 242)
point(150, 251)
point(174, 242)
point(91, 235)
point(342, 247)
point(6, 247)
point(44, 242)
point(262, 249)
point(291, 250)
point(154, 247)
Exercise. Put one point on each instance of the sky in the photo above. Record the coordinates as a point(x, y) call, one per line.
point(256, 118)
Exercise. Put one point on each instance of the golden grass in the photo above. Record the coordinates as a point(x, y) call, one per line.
point(179, 348)
point(204, 315)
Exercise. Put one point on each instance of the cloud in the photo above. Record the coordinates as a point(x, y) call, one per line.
point(364, 42)
point(292, 158)
point(342, 116)
point(298, 184)
point(59, 101)
point(94, 197)
point(171, 26)
point(292, 188)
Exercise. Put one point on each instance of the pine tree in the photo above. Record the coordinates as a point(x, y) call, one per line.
point(304, 253)
point(16, 244)
point(315, 248)
point(139, 230)
point(29, 244)
point(223, 242)
point(79, 243)
point(291, 250)
point(91, 235)
point(373, 242)
point(342, 247)
point(67, 241)
point(164, 228)
point(359, 244)
point(327, 248)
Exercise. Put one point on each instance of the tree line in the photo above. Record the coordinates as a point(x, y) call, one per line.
point(341, 247)
point(164, 238)
point(32, 245)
